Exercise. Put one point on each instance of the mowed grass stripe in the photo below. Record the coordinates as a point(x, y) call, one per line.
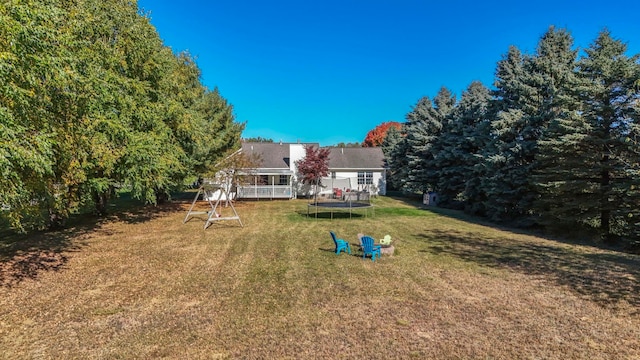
point(146, 285)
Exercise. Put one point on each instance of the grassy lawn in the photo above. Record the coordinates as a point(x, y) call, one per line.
point(145, 285)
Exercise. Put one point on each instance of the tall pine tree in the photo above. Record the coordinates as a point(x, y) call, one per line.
point(393, 157)
point(421, 131)
point(463, 137)
point(608, 150)
point(532, 98)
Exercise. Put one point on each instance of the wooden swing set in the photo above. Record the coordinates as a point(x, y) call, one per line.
point(208, 192)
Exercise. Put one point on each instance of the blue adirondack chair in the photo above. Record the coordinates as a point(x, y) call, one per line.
point(368, 248)
point(340, 244)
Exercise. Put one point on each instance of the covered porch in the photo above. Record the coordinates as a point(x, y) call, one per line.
point(268, 185)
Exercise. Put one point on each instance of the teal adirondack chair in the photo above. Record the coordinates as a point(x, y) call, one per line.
point(368, 248)
point(340, 244)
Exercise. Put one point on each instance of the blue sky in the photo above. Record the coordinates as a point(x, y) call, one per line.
point(329, 71)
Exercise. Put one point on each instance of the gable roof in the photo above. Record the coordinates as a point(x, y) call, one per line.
point(273, 155)
point(276, 156)
point(369, 158)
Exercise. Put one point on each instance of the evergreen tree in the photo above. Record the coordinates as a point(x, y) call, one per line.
point(500, 157)
point(390, 149)
point(529, 96)
point(420, 132)
point(444, 102)
point(397, 160)
point(608, 183)
point(464, 136)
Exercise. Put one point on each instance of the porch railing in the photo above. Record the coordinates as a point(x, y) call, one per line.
point(265, 192)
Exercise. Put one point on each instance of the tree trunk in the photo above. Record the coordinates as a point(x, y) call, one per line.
point(605, 212)
point(101, 200)
point(161, 197)
point(56, 220)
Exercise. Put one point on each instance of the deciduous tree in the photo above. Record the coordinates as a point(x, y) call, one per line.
point(313, 166)
point(376, 136)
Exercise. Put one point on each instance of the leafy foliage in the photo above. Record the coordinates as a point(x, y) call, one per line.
point(91, 100)
point(236, 168)
point(258, 139)
point(376, 136)
point(314, 165)
point(348, 145)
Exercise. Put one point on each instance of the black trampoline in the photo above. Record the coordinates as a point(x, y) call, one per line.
point(339, 204)
point(357, 201)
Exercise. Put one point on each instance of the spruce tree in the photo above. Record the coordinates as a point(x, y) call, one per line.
point(609, 149)
point(421, 130)
point(501, 157)
point(539, 94)
point(393, 157)
point(463, 137)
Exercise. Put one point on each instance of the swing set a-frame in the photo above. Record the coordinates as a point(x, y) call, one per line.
point(221, 194)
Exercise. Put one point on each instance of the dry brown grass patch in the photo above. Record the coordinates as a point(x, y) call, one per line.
point(146, 285)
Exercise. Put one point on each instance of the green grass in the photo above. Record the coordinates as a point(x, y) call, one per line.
point(145, 285)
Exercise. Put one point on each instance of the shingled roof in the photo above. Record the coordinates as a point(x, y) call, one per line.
point(273, 155)
point(276, 156)
point(361, 158)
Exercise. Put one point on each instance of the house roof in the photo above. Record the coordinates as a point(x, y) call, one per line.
point(276, 156)
point(370, 158)
point(273, 155)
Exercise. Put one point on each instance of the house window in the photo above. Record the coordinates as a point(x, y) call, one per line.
point(284, 180)
point(333, 174)
point(264, 180)
point(365, 177)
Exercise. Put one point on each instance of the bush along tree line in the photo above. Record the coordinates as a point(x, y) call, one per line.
point(555, 144)
point(91, 101)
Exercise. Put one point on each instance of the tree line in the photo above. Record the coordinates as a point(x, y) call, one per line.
point(555, 143)
point(92, 101)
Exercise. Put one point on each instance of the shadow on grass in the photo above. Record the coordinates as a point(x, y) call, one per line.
point(357, 253)
point(143, 213)
point(583, 238)
point(605, 278)
point(25, 256)
point(327, 215)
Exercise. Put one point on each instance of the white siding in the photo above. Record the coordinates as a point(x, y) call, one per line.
point(379, 180)
point(296, 152)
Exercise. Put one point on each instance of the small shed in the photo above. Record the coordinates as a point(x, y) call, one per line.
point(430, 198)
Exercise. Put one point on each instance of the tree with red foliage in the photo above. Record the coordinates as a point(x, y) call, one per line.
point(376, 136)
point(314, 165)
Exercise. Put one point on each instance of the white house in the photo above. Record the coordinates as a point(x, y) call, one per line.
point(350, 169)
point(275, 178)
point(363, 167)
